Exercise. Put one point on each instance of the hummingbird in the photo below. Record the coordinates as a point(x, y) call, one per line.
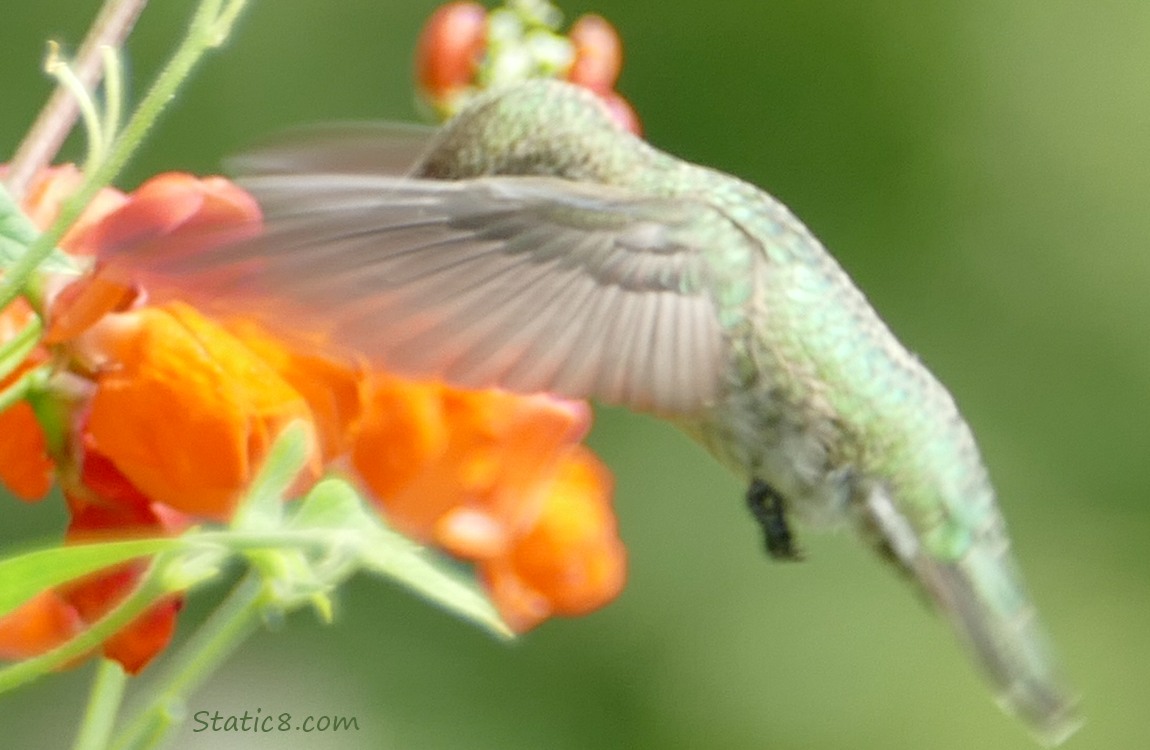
point(536, 246)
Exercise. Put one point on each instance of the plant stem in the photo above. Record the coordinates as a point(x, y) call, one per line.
point(19, 390)
point(16, 349)
point(214, 641)
point(208, 28)
point(47, 134)
point(103, 704)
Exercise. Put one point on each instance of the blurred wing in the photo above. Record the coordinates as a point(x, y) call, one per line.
point(341, 147)
point(529, 284)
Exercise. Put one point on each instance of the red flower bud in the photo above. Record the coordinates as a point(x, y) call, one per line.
point(449, 48)
point(598, 54)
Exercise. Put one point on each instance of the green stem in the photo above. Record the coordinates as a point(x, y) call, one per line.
point(39, 147)
point(208, 28)
point(142, 597)
point(98, 138)
point(19, 390)
point(214, 641)
point(113, 93)
point(251, 541)
point(103, 704)
point(15, 350)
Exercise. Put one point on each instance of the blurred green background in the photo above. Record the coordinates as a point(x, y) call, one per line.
point(982, 169)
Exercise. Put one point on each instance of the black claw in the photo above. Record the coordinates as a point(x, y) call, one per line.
point(767, 507)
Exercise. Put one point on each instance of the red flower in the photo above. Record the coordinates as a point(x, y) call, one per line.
point(453, 59)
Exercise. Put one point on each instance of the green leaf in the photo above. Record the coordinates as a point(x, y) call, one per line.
point(26, 575)
point(331, 504)
point(431, 576)
point(17, 233)
point(262, 507)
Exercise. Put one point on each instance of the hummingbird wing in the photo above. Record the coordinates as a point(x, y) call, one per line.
point(352, 147)
point(525, 283)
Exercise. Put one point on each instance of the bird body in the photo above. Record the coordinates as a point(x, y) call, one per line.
point(536, 246)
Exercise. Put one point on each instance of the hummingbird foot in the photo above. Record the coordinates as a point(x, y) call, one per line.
point(766, 506)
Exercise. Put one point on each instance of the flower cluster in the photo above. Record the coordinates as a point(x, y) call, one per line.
point(151, 417)
point(465, 49)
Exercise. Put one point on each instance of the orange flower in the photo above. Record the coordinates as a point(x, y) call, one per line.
point(501, 480)
point(26, 469)
point(25, 466)
point(335, 392)
point(38, 625)
point(181, 413)
point(183, 409)
point(570, 561)
point(47, 193)
point(462, 469)
point(176, 209)
point(103, 506)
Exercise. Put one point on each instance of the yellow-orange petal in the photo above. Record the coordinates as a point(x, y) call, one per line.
point(336, 392)
point(183, 409)
point(471, 533)
point(571, 561)
point(402, 435)
point(429, 451)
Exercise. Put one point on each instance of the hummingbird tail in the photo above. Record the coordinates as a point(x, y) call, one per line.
point(982, 595)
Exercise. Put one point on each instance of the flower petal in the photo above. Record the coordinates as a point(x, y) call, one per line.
point(571, 562)
point(188, 412)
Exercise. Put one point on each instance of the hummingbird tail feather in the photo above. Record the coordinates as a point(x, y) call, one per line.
point(982, 595)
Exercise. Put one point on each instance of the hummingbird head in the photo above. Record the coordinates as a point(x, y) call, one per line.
point(540, 127)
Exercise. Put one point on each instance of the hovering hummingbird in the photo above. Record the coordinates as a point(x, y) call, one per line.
point(536, 246)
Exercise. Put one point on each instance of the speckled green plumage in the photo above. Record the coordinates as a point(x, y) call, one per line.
point(799, 331)
point(819, 399)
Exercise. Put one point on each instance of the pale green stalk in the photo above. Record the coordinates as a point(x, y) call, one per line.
point(208, 29)
point(103, 704)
